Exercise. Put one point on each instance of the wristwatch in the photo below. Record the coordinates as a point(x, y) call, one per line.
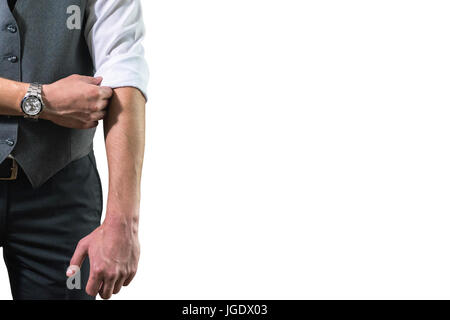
point(32, 104)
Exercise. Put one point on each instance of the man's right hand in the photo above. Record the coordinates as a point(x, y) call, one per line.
point(77, 102)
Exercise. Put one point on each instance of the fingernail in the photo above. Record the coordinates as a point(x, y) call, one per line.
point(70, 271)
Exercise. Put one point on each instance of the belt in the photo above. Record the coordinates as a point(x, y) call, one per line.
point(9, 169)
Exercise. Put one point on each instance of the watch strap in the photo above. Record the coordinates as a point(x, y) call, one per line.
point(35, 90)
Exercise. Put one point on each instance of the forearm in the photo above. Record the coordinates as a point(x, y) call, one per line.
point(11, 94)
point(76, 101)
point(124, 129)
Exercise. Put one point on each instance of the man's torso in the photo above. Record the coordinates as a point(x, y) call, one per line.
point(44, 42)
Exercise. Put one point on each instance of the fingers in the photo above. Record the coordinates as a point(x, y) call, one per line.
point(118, 285)
point(100, 102)
point(113, 283)
point(98, 115)
point(106, 93)
point(91, 80)
point(103, 92)
point(129, 279)
point(84, 125)
point(77, 258)
point(94, 284)
point(90, 125)
point(79, 124)
point(107, 288)
point(85, 121)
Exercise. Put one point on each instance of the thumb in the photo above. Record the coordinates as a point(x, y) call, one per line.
point(77, 259)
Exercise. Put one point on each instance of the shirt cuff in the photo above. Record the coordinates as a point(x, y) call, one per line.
point(125, 71)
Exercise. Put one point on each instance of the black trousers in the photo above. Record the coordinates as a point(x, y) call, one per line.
point(40, 228)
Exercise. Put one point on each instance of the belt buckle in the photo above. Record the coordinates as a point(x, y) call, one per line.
point(14, 170)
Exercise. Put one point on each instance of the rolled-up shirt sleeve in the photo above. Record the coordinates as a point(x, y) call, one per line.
point(114, 34)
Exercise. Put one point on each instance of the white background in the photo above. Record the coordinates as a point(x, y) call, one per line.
point(295, 149)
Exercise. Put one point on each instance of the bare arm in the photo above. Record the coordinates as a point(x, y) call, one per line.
point(114, 34)
point(124, 128)
point(11, 94)
point(113, 248)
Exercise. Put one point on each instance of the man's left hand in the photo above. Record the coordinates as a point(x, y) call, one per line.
point(113, 250)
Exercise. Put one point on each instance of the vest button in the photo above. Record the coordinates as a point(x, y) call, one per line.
point(9, 142)
point(11, 28)
point(13, 59)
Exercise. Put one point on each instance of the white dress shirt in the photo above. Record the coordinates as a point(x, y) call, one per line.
point(114, 34)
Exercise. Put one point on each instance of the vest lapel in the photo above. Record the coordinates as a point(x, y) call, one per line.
point(4, 8)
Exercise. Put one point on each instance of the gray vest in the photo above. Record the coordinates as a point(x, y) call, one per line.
point(36, 45)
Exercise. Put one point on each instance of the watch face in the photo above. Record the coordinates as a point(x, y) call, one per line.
point(32, 106)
